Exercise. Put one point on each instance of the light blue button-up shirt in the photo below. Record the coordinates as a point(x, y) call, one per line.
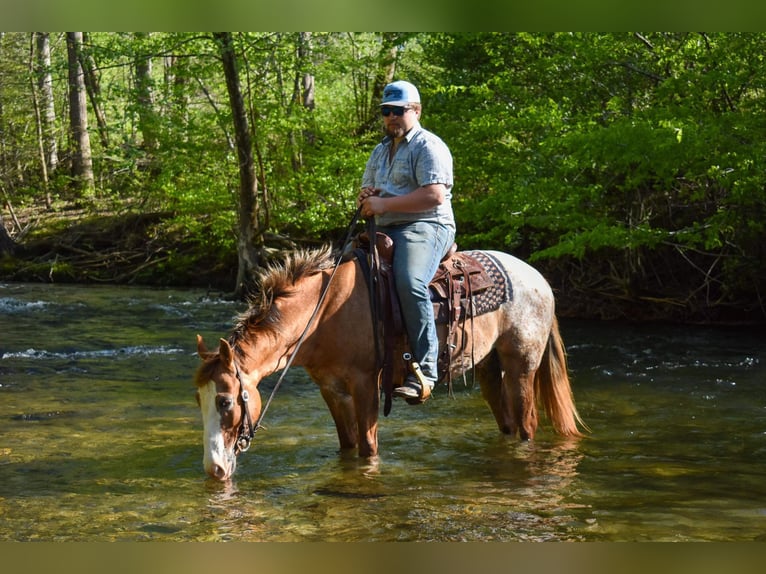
point(422, 158)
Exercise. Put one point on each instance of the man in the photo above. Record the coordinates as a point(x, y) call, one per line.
point(407, 187)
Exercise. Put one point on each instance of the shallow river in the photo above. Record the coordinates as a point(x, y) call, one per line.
point(100, 439)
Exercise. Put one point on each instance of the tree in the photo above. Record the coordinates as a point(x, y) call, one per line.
point(373, 67)
point(47, 106)
point(7, 244)
point(39, 123)
point(250, 235)
point(303, 93)
point(93, 87)
point(82, 161)
point(144, 94)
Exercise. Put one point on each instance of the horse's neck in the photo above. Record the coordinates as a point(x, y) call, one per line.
point(270, 352)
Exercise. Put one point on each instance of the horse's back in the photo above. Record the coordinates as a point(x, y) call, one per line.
point(529, 311)
point(525, 280)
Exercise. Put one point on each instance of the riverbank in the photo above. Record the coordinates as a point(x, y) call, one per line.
point(73, 245)
point(129, 246)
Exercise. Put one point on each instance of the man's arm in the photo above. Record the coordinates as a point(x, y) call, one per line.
point(421, 199)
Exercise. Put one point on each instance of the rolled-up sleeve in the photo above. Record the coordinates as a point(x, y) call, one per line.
point(434, 161)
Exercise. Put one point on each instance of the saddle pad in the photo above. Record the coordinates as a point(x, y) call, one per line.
point(485, 300)
point(502, 289)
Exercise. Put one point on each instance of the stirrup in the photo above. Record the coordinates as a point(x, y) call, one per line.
point(425, 384)
point(416, 388)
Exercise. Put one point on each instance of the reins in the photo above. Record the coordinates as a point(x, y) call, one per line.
point(246, 428)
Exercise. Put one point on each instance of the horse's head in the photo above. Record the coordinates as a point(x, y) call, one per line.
point(230, 407)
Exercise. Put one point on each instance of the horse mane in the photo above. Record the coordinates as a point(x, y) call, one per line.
point(277, 281)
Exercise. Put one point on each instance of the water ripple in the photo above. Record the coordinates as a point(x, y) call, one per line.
point(11, 305)
point(139, 350)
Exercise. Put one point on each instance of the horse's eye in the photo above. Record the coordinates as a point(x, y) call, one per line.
point(224, 403)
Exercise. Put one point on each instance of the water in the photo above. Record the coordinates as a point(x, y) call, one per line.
point(100, 439)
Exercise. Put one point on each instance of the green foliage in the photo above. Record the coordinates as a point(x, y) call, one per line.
point(574, 147)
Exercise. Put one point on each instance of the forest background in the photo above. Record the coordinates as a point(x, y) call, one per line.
point(626, 167)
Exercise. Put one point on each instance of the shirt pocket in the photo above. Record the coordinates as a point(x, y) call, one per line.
point(402, 174)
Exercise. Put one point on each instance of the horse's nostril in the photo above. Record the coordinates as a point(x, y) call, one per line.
point(218, 472)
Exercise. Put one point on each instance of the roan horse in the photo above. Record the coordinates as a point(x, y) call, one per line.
point(517, 351)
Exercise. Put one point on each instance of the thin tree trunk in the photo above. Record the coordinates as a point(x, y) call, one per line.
point(47, 104)
point(303, 96)
point(38, 122)
point(146, 120)
point(82, 160)
point(264, 203)
point(93, 87)
point(250, 237)
point(176, 88)
point(368, 84)
point(388, 53)
point(307, 81)
point(7, 244)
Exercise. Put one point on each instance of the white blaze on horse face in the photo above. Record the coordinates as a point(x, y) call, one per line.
point(218, 462)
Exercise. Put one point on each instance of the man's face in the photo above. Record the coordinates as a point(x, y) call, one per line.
point(395, 125)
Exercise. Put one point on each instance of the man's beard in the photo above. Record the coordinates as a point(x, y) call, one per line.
point(395, 131)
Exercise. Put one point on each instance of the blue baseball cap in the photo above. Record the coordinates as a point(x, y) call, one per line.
point(400, 93)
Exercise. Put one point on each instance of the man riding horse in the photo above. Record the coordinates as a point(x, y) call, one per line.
point(407, 187)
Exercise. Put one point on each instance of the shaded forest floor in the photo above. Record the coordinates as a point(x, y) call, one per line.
point(78, 246)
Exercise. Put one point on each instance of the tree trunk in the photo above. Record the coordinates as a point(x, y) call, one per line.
point(93, 86)
point(47, 107)
point(147, 122)
point(307, 81)
point(176, 73)
point(250, 236)
point(82, 161)
point(303, 95)
point(368, 83)
point(38, 123)
point(7, 244)
point(385, 75)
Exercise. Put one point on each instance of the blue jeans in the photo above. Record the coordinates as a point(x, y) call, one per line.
point(418, 248)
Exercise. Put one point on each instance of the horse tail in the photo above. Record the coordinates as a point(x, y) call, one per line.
point(553, 388)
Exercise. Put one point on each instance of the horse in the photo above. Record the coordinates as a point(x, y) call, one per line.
point(313, 310)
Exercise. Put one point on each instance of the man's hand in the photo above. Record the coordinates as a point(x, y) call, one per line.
point(364, 193)
point(371, 204)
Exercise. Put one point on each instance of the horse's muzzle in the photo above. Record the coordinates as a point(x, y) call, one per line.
point(221, 472)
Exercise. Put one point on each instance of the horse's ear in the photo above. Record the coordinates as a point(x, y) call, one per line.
point(202, 348)
point(225, 352)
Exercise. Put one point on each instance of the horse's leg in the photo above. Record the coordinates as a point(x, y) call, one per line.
point(355, 414)
point(490, 376)
point(341, 405)
point(368, 434)
point(507, 384)
point(519, 384)
point(367, 406)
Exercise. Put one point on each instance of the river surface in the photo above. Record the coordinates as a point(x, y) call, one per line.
point(100, 439)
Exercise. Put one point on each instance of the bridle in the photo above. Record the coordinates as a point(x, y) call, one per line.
point(247, 429)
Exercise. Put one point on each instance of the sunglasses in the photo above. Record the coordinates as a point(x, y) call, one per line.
point(398, 111)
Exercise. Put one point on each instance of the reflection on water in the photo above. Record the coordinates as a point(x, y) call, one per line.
point(444, 494)
point(100, 439)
